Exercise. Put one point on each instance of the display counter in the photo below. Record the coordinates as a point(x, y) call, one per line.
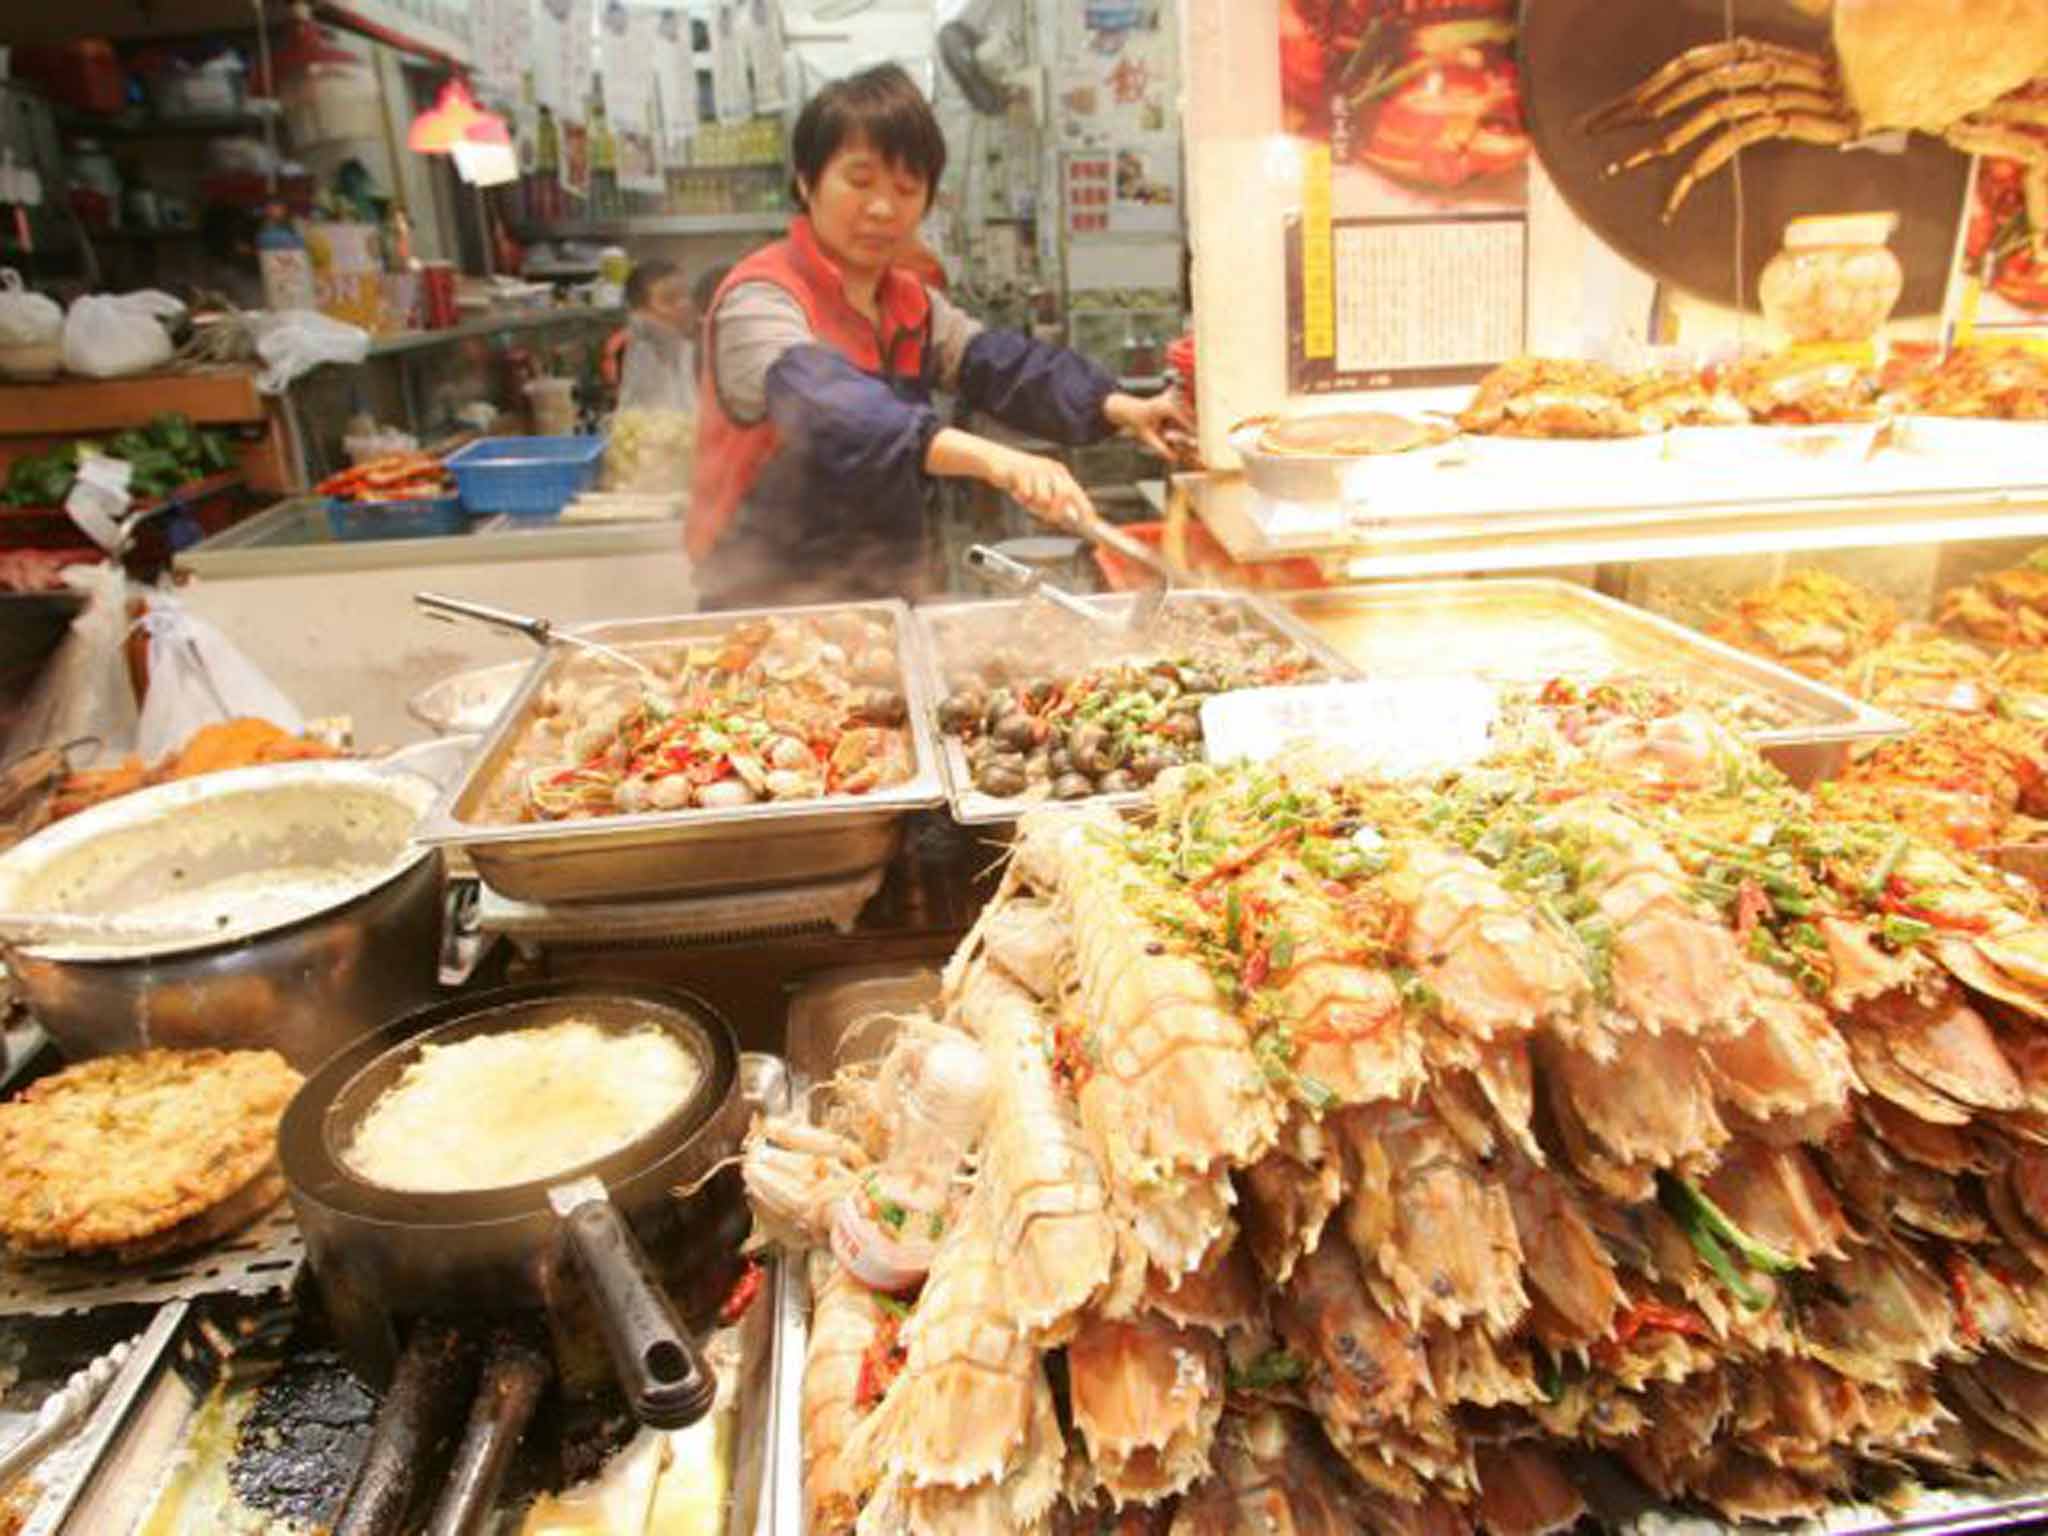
point(334, 621)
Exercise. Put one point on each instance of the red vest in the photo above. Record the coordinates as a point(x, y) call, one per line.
point(730, 453)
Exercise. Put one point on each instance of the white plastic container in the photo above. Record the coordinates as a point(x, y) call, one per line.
point(553, 402)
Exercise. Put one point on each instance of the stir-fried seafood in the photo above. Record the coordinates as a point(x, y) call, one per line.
point(785, 708)
point(1790, 389)
point(1355, 1149)
point(2000, 383)
point(1813, 622)
point(1555, 397)
point(1964, 778)
point(2006, 608)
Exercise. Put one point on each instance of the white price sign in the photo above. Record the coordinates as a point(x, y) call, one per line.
point(1402, 727)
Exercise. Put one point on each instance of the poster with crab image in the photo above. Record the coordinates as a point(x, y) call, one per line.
point(1408, 265)
point(2004, 251)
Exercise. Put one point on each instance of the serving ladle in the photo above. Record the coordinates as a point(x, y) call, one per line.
point(542, 632)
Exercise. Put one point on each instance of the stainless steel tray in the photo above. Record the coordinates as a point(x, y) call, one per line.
point(694, 852)
point(148, 1443)
point(941, 628)
point(1527, 630)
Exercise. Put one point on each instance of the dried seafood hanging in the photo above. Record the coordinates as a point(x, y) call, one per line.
point(1360, 1156)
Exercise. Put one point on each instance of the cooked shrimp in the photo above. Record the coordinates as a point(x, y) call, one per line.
point(1270, 1480)
point(845, 1320)
point(1524, 1492)
point(1055, 1242)
point(1364, 1368)
point(964, 1411)
point(1287, 1203)
point(1494, 969)
point(1650, 1107)
point(1570, 1275)
point(1788, 1075)
point(1428, 1220)
point(1146, 1395)
point(1170, 1064)
point(1778, 1197)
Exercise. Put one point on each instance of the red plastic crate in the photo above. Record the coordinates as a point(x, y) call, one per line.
point(1206, 561)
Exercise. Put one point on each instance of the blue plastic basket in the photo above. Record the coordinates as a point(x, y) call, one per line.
point(524, 476)
point(373, 520)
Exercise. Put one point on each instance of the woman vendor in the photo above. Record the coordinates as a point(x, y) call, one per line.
point(816, 433)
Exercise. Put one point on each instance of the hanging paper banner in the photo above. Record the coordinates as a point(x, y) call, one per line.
point(503, 42)
point(731, 95)
point(561, 57)
point(627, 43)
point(675, 85)
point(768, 51)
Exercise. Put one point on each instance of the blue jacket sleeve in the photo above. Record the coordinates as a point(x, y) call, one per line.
point(850, 429)
point(1032, 387)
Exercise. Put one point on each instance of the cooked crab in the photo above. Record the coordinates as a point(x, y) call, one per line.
point(1957, 70)
point(1552, 397)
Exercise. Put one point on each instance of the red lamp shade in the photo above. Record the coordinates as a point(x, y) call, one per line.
point(454, 119)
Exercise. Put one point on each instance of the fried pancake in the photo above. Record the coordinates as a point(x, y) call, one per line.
point(1349, 434)
point(117, 1152)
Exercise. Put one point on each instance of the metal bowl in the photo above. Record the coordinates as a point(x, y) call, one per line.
point(1316, 479)
point(303, 983)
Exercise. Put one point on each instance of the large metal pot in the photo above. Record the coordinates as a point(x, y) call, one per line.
point(305, 986)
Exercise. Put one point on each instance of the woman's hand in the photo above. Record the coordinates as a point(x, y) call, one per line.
point(1147, 420)
point(1044, 487)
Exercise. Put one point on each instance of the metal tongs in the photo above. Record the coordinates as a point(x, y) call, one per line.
point(1014, 576)
point(542, 632)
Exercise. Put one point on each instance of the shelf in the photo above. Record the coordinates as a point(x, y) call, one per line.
point(1512, 539)
point(85, 126)
point(489, 325)
point(69, 405)
point(138, 236)
point(661, 224)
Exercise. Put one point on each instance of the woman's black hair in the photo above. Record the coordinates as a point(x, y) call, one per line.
point(882, 106)
point(640, 285)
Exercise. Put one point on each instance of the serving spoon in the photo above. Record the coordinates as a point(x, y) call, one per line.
point(542, 632)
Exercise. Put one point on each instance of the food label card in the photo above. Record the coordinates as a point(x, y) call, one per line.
point(1403, 727)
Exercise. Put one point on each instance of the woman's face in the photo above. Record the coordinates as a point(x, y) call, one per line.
point(865, 210)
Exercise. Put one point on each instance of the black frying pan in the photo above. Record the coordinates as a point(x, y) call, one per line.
point(1578, 55)
point(380, 1255)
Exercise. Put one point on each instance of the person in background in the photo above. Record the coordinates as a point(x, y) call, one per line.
point(656, 362)
point(817, 439)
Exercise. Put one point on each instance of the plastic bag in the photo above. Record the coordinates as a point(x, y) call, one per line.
point(296, 341)
point(652, 439)
point(27, 319)
point(109, 335)
point(197, 678)
point(85, 692)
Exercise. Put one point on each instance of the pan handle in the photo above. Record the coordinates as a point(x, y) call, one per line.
point(668, 1383)
point(513, 1380)
point(427, 1389)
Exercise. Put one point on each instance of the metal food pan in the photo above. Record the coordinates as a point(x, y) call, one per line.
point(689, 852)
point(154, 1455)
point(939, 630)
point(1527, 630)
